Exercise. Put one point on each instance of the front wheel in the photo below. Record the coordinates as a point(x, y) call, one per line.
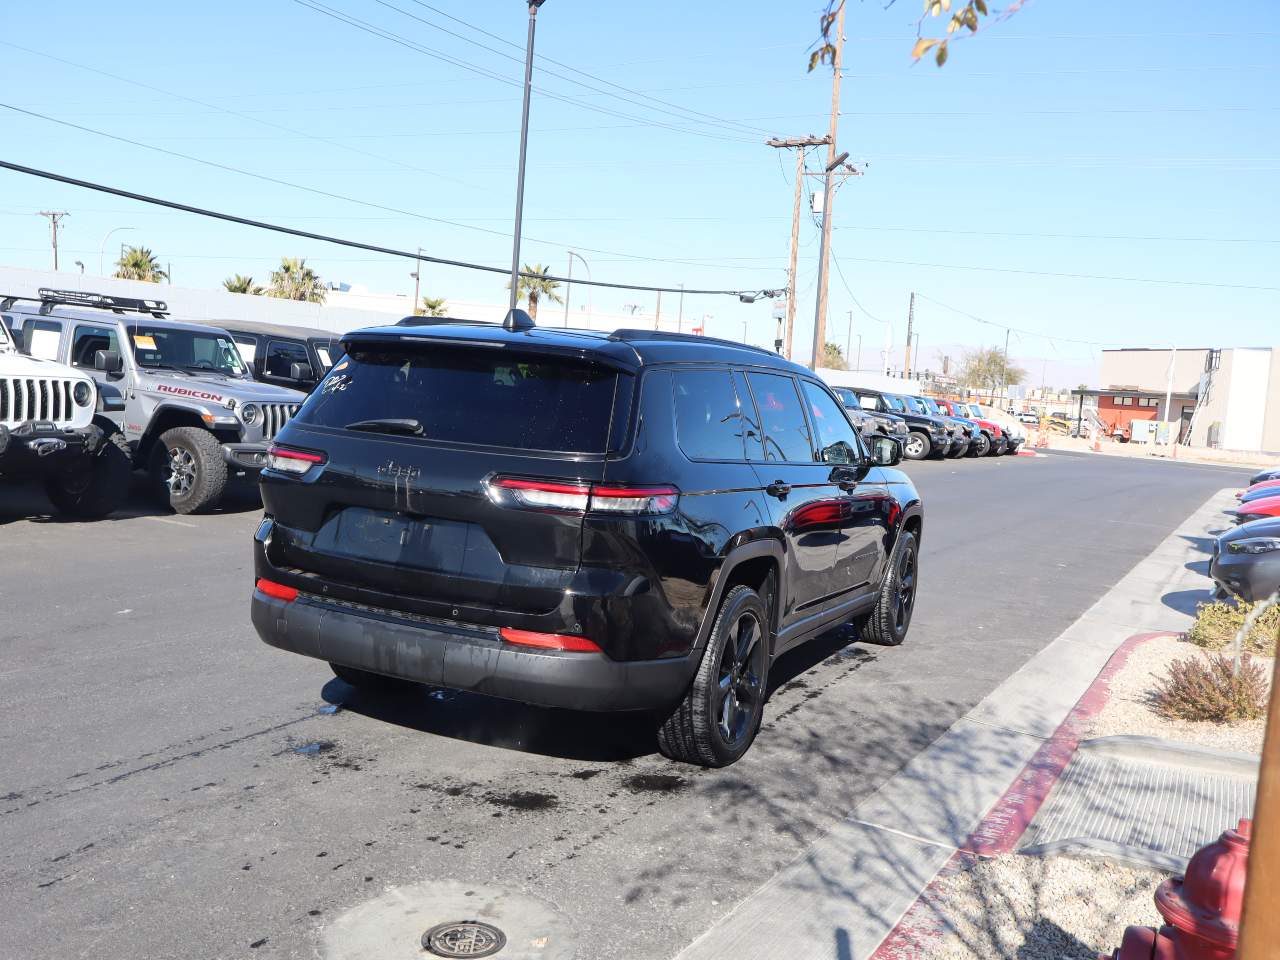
point(187, 469)
point(981, 446)
point(95, 485)
point(718, 718)
point(889, 619)
point(917, 446)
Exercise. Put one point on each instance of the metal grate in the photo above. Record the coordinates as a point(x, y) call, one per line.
point(464, 938)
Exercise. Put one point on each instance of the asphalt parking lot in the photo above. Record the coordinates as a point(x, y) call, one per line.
point(173, 788)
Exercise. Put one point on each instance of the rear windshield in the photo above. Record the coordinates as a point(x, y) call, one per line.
point(471, 395)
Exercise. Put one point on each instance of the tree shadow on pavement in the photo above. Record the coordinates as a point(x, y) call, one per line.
point(27, 502)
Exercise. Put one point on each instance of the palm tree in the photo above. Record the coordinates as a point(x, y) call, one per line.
point(833, 357)
point(431, 307)
point(296, 281)
point(239, 284)
point(534, 288)
point(139, 263)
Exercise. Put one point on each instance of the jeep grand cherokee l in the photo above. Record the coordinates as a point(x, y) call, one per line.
point(626, 521)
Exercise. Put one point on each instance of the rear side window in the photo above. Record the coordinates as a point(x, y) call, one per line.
point(786, 432)
point(472, 395)
point(282, 355)
point(248, 348)
point(709, 421)
point(40, 339)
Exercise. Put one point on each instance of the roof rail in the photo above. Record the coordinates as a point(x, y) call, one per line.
point(630, 335)
point(76, 298)
point(437, 321)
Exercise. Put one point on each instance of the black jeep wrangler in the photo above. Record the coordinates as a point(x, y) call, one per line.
point(629, 521)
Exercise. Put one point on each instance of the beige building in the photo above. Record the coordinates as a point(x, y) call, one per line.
point(1226, 398)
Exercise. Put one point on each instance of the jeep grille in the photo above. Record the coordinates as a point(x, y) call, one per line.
point(275, 416)
point(36, 398)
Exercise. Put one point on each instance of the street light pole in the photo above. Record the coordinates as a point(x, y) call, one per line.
point(102, 248)
point(569, 287)
point(524, 146)
point(417, 278)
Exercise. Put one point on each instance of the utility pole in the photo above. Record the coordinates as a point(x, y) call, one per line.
point(1005, 371)
point(911, 319)
point(848, 340)
point(524, 149)
point(416, 279)
point(54, 216)
point(657, 311)
point(798, 144)
point(680, 315)
point(824, 257)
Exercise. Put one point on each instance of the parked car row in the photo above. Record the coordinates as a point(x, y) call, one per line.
point(1246, 559)
point(95, 386)
point(932, 427)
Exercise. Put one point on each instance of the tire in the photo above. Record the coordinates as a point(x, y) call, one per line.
point(957, 453)
point(888, 622)
point(202, 476)
point(712, 726)
point(997, 448)
point(918, 442)
point(369, 682)
point(981, 447)
point(97, 485)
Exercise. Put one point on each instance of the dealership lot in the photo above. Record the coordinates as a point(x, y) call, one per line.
point(173, 787)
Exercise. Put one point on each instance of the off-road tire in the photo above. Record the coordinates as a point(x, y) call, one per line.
point(920, 443)
point(997, 449)
point(99, 485)
point(691, 733)
point(883, 625)
point(982, 447)
point(208, 479)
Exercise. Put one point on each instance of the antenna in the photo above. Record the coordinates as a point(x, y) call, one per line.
point(517, 320)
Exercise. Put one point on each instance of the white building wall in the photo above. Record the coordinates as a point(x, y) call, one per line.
point(1246, 406)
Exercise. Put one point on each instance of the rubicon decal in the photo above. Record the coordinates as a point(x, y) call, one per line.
point(184, 392)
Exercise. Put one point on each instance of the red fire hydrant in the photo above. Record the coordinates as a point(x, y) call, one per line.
point(1201, 910)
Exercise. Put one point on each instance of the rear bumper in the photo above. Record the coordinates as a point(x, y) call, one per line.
point(463, 657)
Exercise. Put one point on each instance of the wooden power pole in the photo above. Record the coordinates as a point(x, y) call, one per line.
point(54, 216)
point(824, 257)
point(798, 144)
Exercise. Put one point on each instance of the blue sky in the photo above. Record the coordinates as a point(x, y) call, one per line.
point(1087, 138)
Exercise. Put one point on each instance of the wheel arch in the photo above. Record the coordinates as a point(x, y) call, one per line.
point(166, 417)
point(759, 565)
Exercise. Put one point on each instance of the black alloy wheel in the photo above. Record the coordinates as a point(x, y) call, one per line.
point(739, 680)
point(889, 620)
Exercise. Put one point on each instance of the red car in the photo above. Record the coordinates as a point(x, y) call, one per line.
point(1263, 485)
point(1258, 509)
point(992, 440)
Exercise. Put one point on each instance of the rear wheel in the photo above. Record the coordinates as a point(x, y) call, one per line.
point(95, 485)
point(717, 720)
point(187, 469)
point(917, 446)
point(888, 621)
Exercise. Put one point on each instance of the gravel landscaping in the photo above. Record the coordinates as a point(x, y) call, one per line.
point(1128, 711)
point(1028, 908)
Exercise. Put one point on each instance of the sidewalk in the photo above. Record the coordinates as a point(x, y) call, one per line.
point(847, 891)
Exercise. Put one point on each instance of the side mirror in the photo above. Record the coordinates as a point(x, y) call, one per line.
point(108, 361)
point(301, 371)
point(886, 451)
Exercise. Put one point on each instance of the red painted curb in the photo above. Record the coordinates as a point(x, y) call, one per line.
point(1009, 818)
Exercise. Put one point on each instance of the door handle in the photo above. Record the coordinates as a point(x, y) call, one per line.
point(778, 489)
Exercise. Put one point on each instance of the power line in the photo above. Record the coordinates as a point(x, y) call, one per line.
point(376, 31)
point(1068, 276)
point(355, 244)
point(240, 114)
point(327, 193)
point(1005, 326)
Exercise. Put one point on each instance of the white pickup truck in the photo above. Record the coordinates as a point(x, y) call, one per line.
point(52, 428)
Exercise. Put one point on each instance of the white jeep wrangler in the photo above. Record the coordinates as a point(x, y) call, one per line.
point(52, 429)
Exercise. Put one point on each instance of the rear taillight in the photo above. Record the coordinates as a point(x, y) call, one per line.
point(277, 591)
point(548, 641)
point(288, 460)
point(581, 497)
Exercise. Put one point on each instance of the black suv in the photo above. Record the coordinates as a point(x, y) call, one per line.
point(626, 521)
point(928, 436)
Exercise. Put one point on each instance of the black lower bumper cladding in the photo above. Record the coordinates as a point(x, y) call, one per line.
point(40, 442)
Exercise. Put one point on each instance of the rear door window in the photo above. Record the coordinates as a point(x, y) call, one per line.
point(473, 395)
point(786, 432)
point(281, 356)
point(40, 339)
point(709, 421)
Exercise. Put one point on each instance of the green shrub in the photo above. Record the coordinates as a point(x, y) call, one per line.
point(1217, 622)
point(1208, 691)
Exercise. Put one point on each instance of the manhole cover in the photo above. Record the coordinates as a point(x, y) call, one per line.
point(467, 938)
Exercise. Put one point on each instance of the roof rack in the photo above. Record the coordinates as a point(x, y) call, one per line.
point(48, 299)
point(630, 335)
